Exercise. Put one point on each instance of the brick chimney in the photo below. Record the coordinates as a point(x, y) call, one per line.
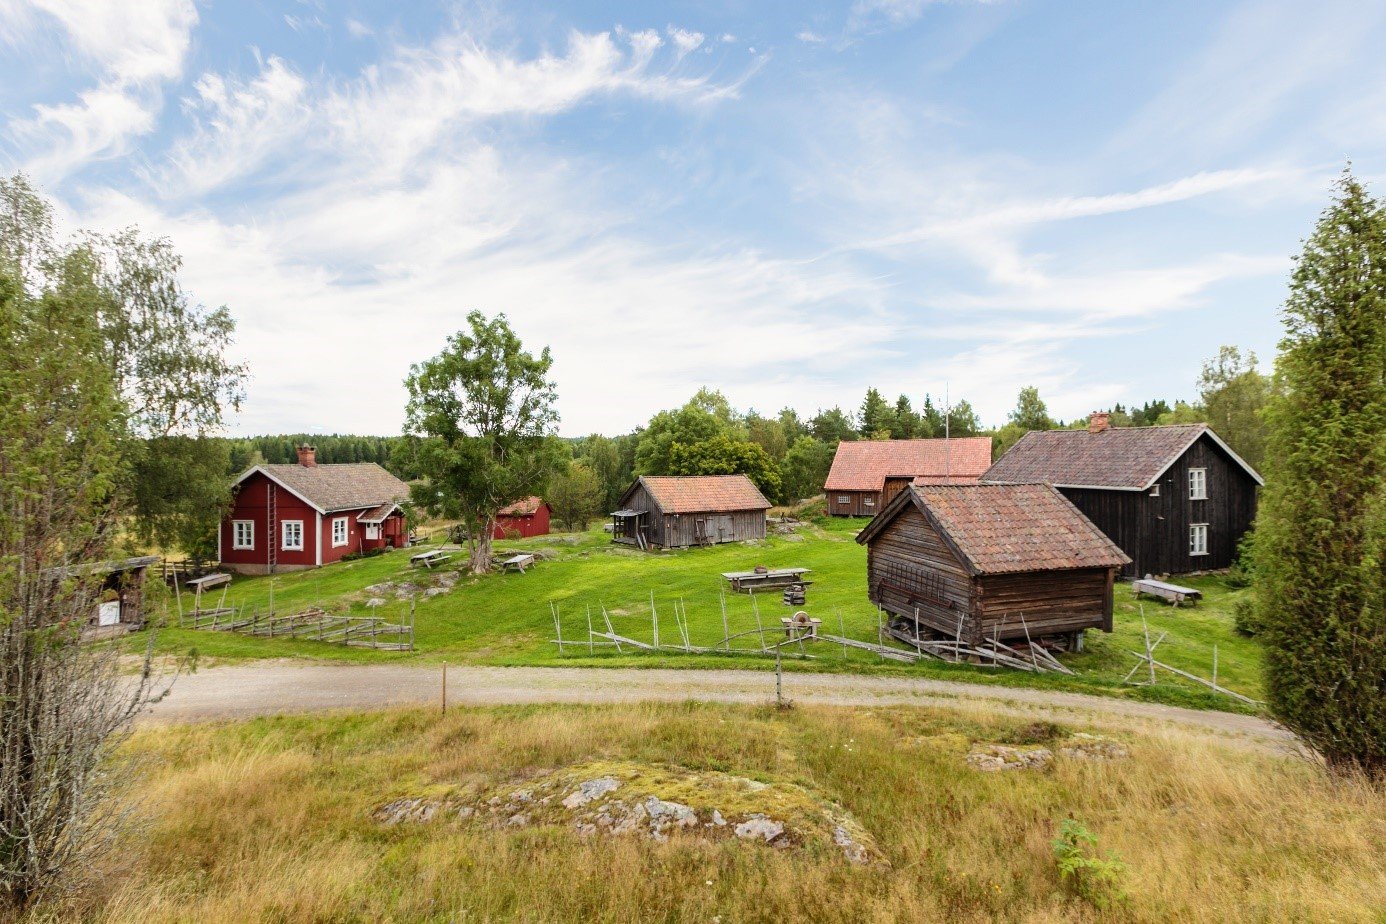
point(1097, 421)
point(307, 456)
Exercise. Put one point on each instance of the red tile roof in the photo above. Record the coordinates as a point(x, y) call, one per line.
point(703, 493)
point(1006, 528)
point(521, 508)
point(338, 486)
point(864, 465)
point(1126, 458)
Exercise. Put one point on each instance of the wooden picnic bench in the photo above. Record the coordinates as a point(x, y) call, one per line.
point(1174, 593)
point(518, 562)
point(429, 559)
point(751, 581)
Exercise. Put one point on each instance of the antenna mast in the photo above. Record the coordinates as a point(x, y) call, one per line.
point(947, 433)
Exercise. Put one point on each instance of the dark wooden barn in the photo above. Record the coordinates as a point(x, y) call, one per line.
point(1175, 499)
point(678, 511)
point(866, 474)
point(990, 561)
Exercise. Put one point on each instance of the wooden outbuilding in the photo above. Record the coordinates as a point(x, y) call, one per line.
point(980, 562)
point(1175, 498)
point(678, 511)
point(522, 519)
point(866, 474)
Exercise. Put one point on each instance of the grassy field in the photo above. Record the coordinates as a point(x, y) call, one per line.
point(505, 618)
point(275, 820)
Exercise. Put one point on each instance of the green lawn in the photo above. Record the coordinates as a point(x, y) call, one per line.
point(505, 618)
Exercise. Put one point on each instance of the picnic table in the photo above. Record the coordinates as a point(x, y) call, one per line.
point(1174, 593)
point(751, 581)
point(215, 579)
point(518, 562)
point(429, 559)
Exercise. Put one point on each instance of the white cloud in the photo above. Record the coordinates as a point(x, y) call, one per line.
point(685, 40)
point(809, 37)
point(131, 49)
point(358, 29)
point(869, 13)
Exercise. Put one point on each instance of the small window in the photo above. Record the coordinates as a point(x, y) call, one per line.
point(1155, 490)
point(372, 532)
point(293, 536)
point(1198, 539)
point(243, 534)
point(339, 531)
point(871, 502)
point(843, 499)
point(1198, 484)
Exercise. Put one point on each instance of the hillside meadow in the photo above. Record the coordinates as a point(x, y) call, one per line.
point(505, 619)
point(289, 819)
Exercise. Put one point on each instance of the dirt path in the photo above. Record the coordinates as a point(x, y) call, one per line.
point(274, 687)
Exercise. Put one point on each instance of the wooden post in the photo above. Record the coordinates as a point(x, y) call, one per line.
point(1215, 668)
point(271, 595)
point(412, 601)
point(779, 679)
point(726, 632)
point(610, 629)
point(1029, 644)
point(654, 619)
point(590, 648)
point(880, 629)
point(1149, 654)
point(557, 627)
point(755, 608)
point(842, 628)
point(445, 688)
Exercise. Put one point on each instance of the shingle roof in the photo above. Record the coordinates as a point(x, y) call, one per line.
point(1006, 528)
point(703, 493)
point(521, 508)
point(378, 513)
point(338, 486)
point(1128, 458)
point(864, 465)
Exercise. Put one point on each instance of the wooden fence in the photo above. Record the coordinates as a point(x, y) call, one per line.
point(312, 625)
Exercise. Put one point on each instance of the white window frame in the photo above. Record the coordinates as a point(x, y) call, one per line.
point(372, 530)
point(1154, 490)
point(284, 536)
point(869, 502)
point(1198, 484)
point(843, 499)
point(249, 541)
point(342, 523)
point(1198, 539)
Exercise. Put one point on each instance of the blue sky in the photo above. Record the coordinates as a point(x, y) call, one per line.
point(789, 202)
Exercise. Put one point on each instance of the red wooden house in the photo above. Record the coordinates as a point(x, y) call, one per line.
point(291, 517)
point(528, 517)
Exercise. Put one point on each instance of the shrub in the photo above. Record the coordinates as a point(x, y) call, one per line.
point(1093, 878)
point(1244, 618)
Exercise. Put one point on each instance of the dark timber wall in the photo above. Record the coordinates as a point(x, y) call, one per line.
point(854, 503)
point(1154, 531)
point(912, 572)
point(680, 530)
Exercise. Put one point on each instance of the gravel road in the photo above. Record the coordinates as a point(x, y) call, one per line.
point(276, 687)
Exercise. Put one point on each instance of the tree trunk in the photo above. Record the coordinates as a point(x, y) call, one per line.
point(481, 553)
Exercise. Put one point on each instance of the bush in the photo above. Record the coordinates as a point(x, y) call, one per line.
point(1244, 618)
point(1093, 878)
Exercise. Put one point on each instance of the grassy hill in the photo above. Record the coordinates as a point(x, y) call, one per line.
point(290, 820)
point(506, 619)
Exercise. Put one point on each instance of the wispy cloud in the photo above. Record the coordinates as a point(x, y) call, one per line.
point(131, 50)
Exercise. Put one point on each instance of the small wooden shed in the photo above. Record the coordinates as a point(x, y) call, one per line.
point(678, 511)
point(989, 561)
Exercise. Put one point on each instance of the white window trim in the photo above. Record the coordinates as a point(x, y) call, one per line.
point(870, 501)
point(1192, 528)
point(1154, 490)
point(284, 536)
point(236, 542)
point(1202, 482)
point(345, 534)
point(843, 499)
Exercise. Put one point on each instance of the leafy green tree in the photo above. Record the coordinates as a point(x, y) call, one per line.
point(706, 415)
point(724, 456)
point(1182, 413)
point(1006, 437)
point(166, 352)
point(905, 423)
point(805, 468)
point(792, 426)
point(483, 411)
point(877, 417)
point(1320, 549)
point(962, 421)
point(832, 426)
point(1149, 414)
point(768, 434)
point(575, 494)
point(603, 456)
point(1235, 394)
point(1030, 411)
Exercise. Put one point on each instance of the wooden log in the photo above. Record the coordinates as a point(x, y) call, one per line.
point(1196, 679)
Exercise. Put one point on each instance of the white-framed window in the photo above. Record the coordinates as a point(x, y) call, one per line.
point(372, 531)
point(871, 502)
point(242, 534)
point(339, 531)
point(1154, 490)
point(1198, 539)
point(843, 499)
point(292, 538)
point(1198, 484)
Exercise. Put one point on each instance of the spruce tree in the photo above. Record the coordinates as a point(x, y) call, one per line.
point(1320, 545)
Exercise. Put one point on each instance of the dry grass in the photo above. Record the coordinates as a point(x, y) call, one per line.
point(271, 820)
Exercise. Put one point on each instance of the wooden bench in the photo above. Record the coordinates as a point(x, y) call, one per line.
point(429, 559)
point(751, 581)
point(518, 562)
point(1174, 593)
